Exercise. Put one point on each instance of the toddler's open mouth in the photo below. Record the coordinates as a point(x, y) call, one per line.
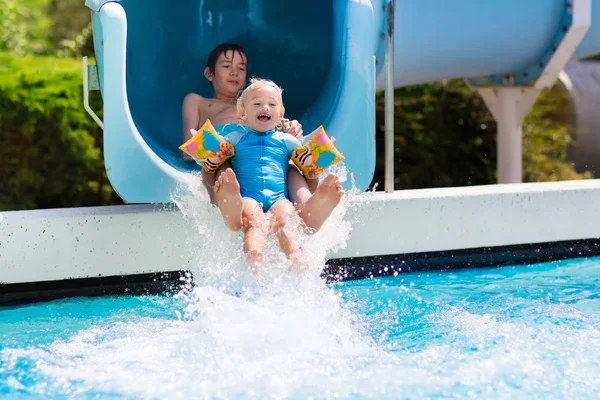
point(264, 117)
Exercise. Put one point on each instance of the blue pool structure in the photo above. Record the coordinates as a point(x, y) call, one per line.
point(519, 332)
point(463, 292)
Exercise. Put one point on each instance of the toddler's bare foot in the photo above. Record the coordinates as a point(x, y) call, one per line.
point(320, 205)
point(254, 258)
point(299, 264)
point(229, 199)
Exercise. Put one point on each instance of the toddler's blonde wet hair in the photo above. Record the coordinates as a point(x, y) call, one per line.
point(257, 83)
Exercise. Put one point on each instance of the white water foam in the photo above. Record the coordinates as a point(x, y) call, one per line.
point(217, 253)
point(276, 335)
point(284, 335)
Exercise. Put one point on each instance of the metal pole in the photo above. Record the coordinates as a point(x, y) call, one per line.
point(86, 95)
point(389, 102)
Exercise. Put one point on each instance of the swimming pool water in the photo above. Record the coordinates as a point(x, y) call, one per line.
point(507, 332)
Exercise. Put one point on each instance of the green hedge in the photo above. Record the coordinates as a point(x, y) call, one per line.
point(50, 149)
point(445, 136)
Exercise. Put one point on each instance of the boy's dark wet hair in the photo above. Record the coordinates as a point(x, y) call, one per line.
point(223, 48)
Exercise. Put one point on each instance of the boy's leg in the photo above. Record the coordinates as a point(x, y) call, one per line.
point(227, 196)
point(255, 232)
point(281, 212)
point(208, 180)
point(314, 208)
point(301, 187)
point(211, 181)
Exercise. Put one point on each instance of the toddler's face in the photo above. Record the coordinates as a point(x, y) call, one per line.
point(263, 109)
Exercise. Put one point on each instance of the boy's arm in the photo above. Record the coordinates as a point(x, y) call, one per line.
point(190, 110)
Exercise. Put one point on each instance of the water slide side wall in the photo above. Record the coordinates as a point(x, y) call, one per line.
point(167, 48)
point(321, 53)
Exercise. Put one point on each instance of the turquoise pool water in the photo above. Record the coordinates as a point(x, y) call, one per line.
point(508, 332)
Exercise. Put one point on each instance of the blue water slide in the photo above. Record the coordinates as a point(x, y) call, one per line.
point(328, 55)
point(437, 39)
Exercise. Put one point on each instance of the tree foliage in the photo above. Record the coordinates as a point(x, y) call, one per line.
point(45, 27)
point(445, 136)
point(50, 150)
point(23, 26)
point(547, 133)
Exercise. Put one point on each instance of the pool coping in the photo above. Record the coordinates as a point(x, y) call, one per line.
point(415, 229)
point(336, 270)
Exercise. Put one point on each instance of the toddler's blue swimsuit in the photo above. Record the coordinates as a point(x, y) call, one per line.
point(260, 162)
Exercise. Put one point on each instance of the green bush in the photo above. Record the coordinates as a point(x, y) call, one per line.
point(547, 136)
point(445, 136)
point(45, 27)
point(50, 149)
point(24, 26)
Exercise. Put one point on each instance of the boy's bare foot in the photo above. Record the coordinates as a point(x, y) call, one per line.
point(254, 258)
point(229, 199)
point(320, 205)
point(299, 264)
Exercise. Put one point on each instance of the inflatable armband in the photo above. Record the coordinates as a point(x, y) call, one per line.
point(316, 154)
point(208, 148)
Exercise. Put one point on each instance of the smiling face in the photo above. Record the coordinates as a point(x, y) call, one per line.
point(260, 107)
point(229, 75)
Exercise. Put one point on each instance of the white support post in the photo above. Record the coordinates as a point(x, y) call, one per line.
point(509, 106)
point(510, 135)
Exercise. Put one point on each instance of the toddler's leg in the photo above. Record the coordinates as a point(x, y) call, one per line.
point(314, 204)
point(255, 232)
point(282, 211)
point(227, 196)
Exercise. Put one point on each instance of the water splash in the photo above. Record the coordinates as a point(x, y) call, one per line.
point(412, 337)
point(236, 335)
point(501, 333)
point(217, 253)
